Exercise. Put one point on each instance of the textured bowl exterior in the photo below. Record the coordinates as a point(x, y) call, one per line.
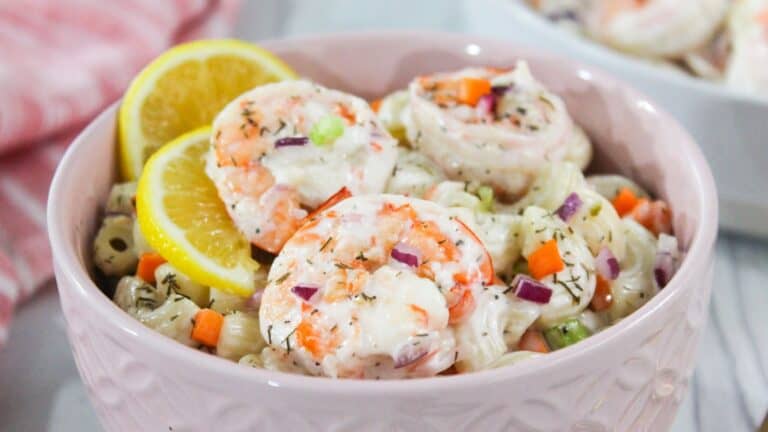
point(729, 126)
point(629, 377)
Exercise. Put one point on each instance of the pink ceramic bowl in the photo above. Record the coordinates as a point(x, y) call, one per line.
point(629, 377)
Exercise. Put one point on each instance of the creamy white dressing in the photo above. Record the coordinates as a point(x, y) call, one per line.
point(414, 174)
point(481, 338)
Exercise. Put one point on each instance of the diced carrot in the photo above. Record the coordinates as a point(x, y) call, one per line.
point(653, 215)
point(533, 340)
point(624, 201)
point(207, 327)
point(336, 198)
point(307, 337)
point(148, 262)
point(472, 89)
point(375, 105)
point(461, 278)
point(603, 297)
point(458, 312)
point(545, 260)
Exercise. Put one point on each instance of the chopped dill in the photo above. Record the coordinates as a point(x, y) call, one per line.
point(282, 278)
point(326, 244)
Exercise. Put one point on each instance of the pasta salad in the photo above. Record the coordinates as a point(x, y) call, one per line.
point(444, 228)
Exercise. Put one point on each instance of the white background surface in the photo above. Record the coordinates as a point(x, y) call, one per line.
point(41, 391)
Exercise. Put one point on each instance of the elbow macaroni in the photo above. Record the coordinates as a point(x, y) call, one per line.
point(573, 287)
point(174, 319)
point(225, 303)
point(240, 335)
point(391, 112)
point(480, 339)
point(113, 251)
point(497, 231)
point(169, 279)
point(135, 296)
point(521, 315)
point(168, 315)
point(596, 220)
point(635, 284)
point(121, 199)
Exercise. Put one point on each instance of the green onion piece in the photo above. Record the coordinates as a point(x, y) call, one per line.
point(485, 193)
point(567, 333)
point(326, 130)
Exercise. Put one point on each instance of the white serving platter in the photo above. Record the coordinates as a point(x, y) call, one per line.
point(731, 128)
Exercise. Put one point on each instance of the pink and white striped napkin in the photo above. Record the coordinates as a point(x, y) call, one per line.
point(61, 62)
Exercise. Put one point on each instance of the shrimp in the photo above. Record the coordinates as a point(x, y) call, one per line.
point(375, 287)
point(281, 149)
point(503, 138)
point(747, 69)
point(655, 28)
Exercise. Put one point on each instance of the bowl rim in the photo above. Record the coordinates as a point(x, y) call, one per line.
point(75, 277)
point(602, 53)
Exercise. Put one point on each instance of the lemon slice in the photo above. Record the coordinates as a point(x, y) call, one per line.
point(184, 89)
point(183, 219)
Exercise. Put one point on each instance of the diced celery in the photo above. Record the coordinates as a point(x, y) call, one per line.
point(485, 193)
point(326, 130)
point(566, 333)
point(521, 266)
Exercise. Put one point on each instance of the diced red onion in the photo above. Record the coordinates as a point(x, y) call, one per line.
point(486, 105)
point(664, 263)
point(406, 254)
point(500, 90)
point(607, 264)
point(410, 354)
point(254, 301)
point(305, 291)
point(570, 206)
point(529, 289)
point(291, 141)
point(663, 268)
